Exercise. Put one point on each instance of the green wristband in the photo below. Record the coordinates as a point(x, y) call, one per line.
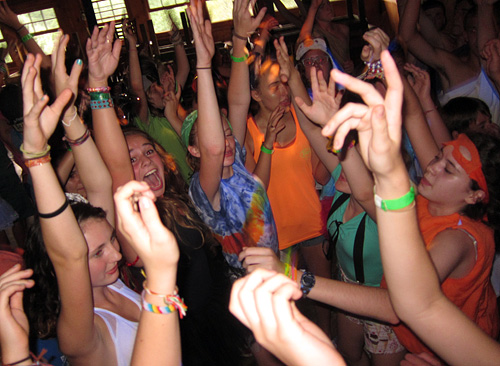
point(26, 37)
point(239, 59)
point(397, 203)
point(99, 96)
point(266, 150)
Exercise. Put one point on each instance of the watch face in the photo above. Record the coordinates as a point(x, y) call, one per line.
point(307, 282)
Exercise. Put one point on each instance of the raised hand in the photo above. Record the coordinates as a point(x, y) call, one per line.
point(59, 73)
point(378, 122)
point(274, 126)
point(244, 23)
point(491, 53)
point(264, 302)
point(377, 42)
point(325, 102)
point(103, 55)
point(40, 120)
point(139, 222)
point(167, 80)
point(202, 34)
point(419, 80)
point(14, 327)
point(128, 33)
point(171, 103)
point(8, 17)
point(285, 62)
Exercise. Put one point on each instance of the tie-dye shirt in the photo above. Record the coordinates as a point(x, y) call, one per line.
point(245, 218)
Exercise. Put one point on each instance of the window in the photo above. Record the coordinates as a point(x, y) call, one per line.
point(43, 25)
point(219, 10)
point(3, 44)
point(108, 10)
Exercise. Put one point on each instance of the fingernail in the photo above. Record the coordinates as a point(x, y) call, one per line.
point(79, 62)
point(145, 202)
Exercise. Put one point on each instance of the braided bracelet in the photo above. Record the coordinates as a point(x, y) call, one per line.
point(34, 155)
point(79, 141)
point(172, 303)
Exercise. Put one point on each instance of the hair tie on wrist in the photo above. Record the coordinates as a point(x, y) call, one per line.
point(20, 28)
point(204, 68)
point(17, 362)
point(56, 212)
point(67, 124)
point(240, 37)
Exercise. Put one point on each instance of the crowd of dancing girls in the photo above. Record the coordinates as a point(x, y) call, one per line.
point(195, 235)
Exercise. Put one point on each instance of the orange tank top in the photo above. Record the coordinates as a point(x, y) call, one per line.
point(473, 294)
point(292, 193)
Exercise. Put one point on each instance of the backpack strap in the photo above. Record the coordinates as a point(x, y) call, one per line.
point(337, 203)
point(358, 250)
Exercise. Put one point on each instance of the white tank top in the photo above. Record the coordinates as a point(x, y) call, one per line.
point(122, 331)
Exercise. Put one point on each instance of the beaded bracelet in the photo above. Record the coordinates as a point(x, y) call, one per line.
point(100, 89)
point(79, 141)
point(34, 155)
point(375, 70)
point(26, 37)
point(266, 150)
point(101, 104)
point(172, 303)
point(30, 163)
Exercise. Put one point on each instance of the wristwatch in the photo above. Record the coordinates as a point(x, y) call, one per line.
point(307, 282)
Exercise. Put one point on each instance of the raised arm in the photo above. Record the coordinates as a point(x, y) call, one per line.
point(93, 172)
point(135, 75)
point(181, 58)
point(239, 83)
point(420, 82)
point(62, 236)
point(415, 123)
point(103, 59)
point(411, 277)
point(9, 18)
point(307, 27)
point(210, 132)
point(416, 44)
point(158, 337)
point(326, 102)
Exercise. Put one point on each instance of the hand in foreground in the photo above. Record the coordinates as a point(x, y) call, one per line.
point(260, 257)
point(325, 102)
point(102, 53)
point(40, 120)
point(244, 23)
point(14, 327)
point(378, 122)
point(139, 222)
point(202, 34)
point(264, 302)
point(59, 73)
